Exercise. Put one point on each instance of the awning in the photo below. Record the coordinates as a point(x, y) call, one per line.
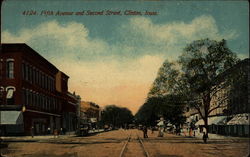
point(218, 120)
point(240, 119)
point(11, 117)
point(200, 122)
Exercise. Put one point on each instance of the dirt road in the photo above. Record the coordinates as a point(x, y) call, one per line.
point(110, 144)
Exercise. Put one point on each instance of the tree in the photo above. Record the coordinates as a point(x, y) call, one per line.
point(117, 116)
point(165, 82)
point(169, 106)
point(202, 65)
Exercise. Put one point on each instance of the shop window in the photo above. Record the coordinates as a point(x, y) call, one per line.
point(10, 68)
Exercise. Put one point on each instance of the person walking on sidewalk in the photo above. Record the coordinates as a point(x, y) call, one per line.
point(55, 133)
point(145, 132)
point(204, 137)
point(32, 131)
point(48, 131)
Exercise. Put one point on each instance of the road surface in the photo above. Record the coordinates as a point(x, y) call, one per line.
point(110, 144)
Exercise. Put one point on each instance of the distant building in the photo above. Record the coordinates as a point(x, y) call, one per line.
point(91, 111)
point(33, 92)
point(71, 112)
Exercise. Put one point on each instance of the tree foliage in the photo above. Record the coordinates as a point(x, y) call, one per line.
point(117, 116)
point(196, 77)
point(169, 106)
point(203, 63)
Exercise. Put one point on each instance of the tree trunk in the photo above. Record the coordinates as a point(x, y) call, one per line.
point(206, 124)
point(206, 103)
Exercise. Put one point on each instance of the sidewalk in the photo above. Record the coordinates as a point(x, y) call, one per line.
point(211, 136)
point(30, 139)
point(43, 137)
point(96, 131)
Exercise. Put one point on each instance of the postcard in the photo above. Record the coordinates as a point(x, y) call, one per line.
point(108, 78)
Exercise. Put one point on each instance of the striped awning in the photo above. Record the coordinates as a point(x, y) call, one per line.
point(217, 120)
point(240, 119)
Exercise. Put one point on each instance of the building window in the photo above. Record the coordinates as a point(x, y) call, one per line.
point(43, 102)
point(23, 71)
point(23, 96)
point(29, 98)
point(37, 100)
point(46, 82)
point(32, 98)
point(42, 80)
point(26, 72)
point(26, 96)
point(10, 68)
point(33, 75)
point(1, 96)
point(10, 95)
point(37, 79)
point(1, 69)
point(49, 83)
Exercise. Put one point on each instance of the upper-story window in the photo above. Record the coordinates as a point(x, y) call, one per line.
point(10, 95)
point(26, 69)
point(23, 71)
point(1, 96)
point(10, 68)
point(1, 69)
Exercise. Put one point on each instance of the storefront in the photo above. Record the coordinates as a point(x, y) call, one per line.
point(11, 122)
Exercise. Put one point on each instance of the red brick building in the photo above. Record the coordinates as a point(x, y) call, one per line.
point(33, 92)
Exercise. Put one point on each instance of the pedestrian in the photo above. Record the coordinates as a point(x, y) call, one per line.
point(61, 131)
point(48, 130)
point(145, 132)
point(55, 133)
point(32, 131)
point(160, 133)
point(205, 137)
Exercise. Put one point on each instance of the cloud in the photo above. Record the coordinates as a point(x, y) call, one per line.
point(70, 40)
point(115, 73)
point(200, 27)
point(172, 37)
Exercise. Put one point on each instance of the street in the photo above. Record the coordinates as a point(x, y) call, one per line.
point(110, 144)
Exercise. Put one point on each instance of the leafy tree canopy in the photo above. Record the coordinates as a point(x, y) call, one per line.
point(169, 106)
point(117, 116)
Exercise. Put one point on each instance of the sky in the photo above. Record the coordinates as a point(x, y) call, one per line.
point(114, 59)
